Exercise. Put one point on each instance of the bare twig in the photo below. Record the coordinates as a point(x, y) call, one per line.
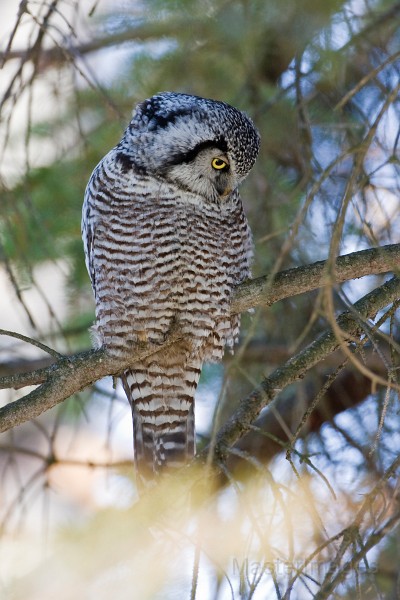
point(31, 341)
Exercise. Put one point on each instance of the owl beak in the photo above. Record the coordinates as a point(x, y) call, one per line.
point(226, 192)
point(223, 185)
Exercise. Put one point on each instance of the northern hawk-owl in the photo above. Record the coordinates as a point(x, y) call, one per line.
point(166, 243)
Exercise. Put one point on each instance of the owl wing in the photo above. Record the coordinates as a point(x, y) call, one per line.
point(88, 236)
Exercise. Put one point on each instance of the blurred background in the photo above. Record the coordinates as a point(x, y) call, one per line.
point(308, 507)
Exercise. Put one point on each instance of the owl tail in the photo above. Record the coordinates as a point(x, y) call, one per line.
point(163, 420)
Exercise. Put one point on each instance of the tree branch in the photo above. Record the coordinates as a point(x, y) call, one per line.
point(24, 365)
point(72, 374)
point(264, 292)
point(296, 367)
point(60, 54)
point(67, 377)
point(273, 431)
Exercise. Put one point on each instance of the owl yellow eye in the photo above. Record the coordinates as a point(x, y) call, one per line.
point(218, 163)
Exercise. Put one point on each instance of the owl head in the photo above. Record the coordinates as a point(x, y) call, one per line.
point(203, 146)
